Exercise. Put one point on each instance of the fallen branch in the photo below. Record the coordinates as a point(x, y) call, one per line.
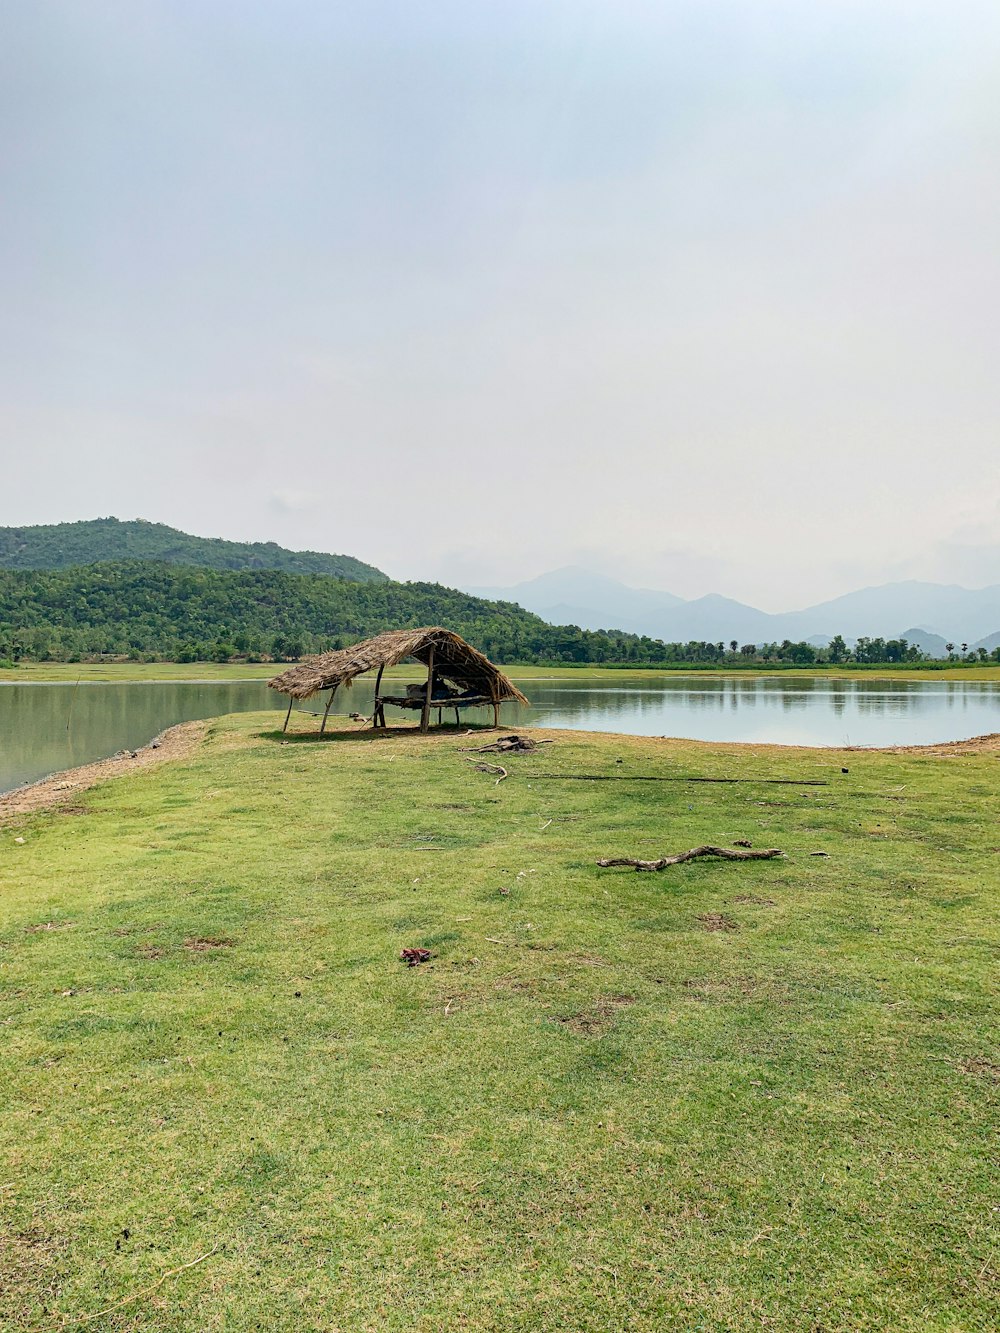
point(506, 743)
point(653, 777)
point(726, 853)
point(491, 768)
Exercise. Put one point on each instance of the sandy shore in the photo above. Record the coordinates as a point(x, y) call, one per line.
point(174, 743)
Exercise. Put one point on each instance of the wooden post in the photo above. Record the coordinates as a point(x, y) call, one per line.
point(425, 715)
point(322, 726)
point(458, 720)
point(376, 706)
point(496, 714)
point(288, 714)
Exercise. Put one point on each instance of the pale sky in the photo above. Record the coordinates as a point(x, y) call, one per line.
point(702, 295)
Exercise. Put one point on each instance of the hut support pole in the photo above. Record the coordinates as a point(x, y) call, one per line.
point(288, 714)
point(376, 706)
point(326, 714)
point(496, 714)
point(425, 715)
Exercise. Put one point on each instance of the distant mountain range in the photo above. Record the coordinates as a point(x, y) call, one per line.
point(928, 614)
point(97, 540)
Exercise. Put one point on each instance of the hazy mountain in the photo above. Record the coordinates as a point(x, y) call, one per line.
point(593, 601)
point(94, 541)
point(989, 643)
point(955, 613)
point(934, 645)
point(574, 596)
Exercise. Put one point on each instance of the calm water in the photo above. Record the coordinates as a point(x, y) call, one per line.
point(44, 728)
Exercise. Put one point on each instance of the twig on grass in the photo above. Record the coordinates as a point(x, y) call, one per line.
point(144, 1291)
point(491, 768)
point(726, 853)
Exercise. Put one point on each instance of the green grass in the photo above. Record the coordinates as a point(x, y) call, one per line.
point(589, 1112)
point(26, 672)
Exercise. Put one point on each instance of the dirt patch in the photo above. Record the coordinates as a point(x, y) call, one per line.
point(975, 745)
point(149, 951)
point(51, 793)
point(753, 898)
point(598, 1018)
point(27, 1268)
point(718, 921)
point(203, 943)
point(981, 1067)
point(49, 925)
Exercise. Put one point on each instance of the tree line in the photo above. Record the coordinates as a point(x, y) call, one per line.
point(152, 611)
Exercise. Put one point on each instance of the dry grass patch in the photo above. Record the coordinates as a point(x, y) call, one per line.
point(598, 1018)
point(718, 921)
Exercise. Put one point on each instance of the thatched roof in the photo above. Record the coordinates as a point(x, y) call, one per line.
point(454, 660)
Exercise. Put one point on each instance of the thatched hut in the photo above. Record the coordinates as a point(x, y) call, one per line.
point(458, 675)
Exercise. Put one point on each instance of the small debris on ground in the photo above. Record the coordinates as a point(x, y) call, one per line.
point(742, 842)
point(411, 957)
point(717, 921)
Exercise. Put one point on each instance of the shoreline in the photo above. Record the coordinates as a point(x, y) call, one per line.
point(203, 673)
point(175, 742)
point(182, 739)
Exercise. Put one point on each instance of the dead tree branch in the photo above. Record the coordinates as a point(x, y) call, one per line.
point(726, 853)
point(491, 768)
point(655, 777)
point(506, 743)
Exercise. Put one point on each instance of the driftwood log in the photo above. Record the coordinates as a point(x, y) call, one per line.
point(507, 743)
point(726, 853)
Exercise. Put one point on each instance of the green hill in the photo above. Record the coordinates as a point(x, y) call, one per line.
point(187, 614)
point(96, 540)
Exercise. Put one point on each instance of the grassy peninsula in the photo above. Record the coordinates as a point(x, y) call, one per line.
point(722, 1097)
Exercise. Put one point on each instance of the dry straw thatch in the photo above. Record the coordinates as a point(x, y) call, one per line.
point(454, 660)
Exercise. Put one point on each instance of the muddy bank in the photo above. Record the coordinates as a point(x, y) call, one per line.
point(174, 743)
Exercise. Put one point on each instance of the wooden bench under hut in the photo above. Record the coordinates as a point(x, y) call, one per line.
point(458, 676)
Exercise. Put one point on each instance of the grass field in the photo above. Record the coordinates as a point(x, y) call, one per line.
point(25, 672)
point(756, 1096)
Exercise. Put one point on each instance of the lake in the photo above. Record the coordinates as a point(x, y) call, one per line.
point(44, 728)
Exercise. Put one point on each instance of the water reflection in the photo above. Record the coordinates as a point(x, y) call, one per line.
point(48, 727)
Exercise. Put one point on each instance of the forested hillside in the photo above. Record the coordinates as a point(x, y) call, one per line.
point(184, 614)
point(61, 545)
point(146, 609)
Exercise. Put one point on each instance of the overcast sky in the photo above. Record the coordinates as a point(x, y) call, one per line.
point(702, 295)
